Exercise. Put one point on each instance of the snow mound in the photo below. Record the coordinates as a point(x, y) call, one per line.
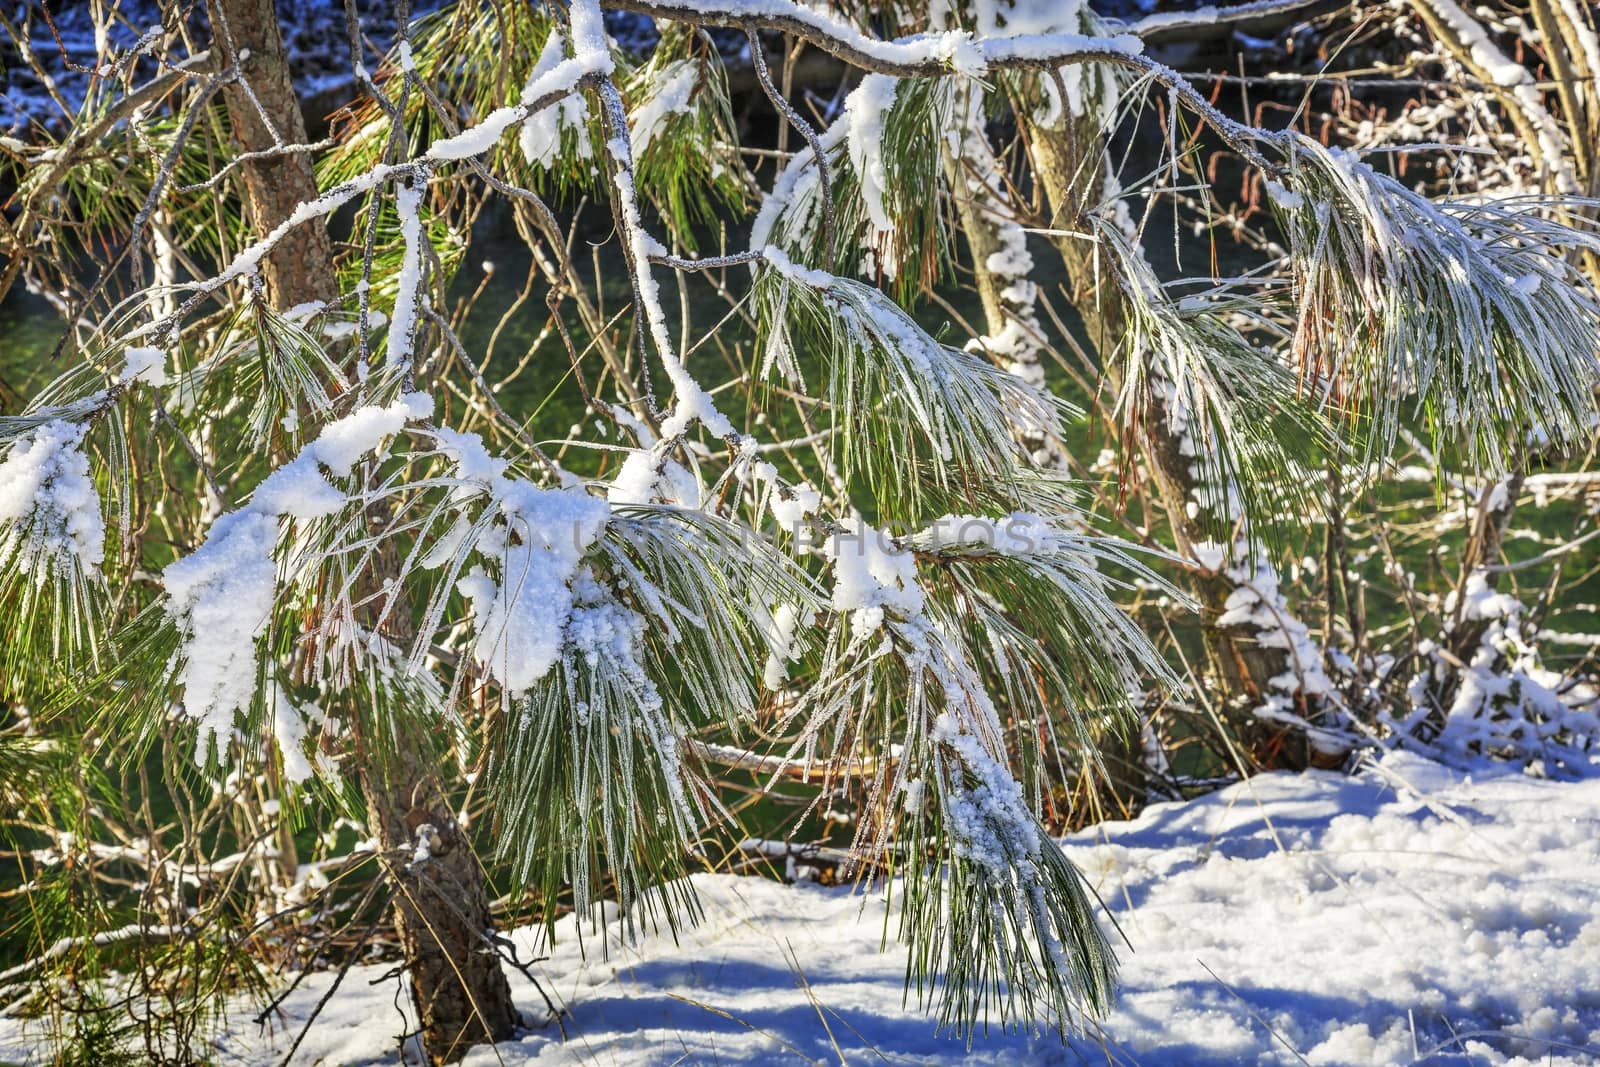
point(1409, 914)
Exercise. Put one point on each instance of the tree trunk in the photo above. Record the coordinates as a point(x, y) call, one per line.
point(300, 268)
point(1246, 667)
point(1463, 635)
point(442, 904)
point(1069, 163)
point(442, 911)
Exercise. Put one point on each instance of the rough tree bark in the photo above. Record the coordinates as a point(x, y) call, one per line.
point(300, 268)
point(442, 909)
point(442, 912)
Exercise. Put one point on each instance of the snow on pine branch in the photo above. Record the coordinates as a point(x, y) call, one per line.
point(864, 111)
point(919, 55)
point(591, 59)
point(692, 403)
point(884, 157)
point(871, 575)
point(591, 766)
point(1083, 88)
point(1021, 533)
point(1226, 404)
point(884, 369)
point(1244, 450)
point(533, 546)
point(1001, 920)
point(558, 84)
point(148, 365)
point(51, 525)
point(667, 619)
point(669, 95)
point(409, 297)
point(639, 475)
point(222, 596)
point(1165, 22)
point(540, 138)
point(1471, 311)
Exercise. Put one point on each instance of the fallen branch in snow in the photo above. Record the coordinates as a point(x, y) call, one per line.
point(120, 935)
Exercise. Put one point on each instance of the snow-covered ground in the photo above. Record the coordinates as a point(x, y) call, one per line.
point(1408, 914)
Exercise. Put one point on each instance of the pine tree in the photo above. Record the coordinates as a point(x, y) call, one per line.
point(344, 558)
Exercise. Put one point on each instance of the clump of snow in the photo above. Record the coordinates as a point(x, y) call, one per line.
point(344, 442)
point(636, 479)
point(473, 462)
point(221, 597)
point(1284, 197)
point(780, 633)
point(148, 365)
point(871, 574)
point(865, 111)
point(409, 294)
point(476, 140)
point(589, 42)
point(540, 139)
point(523, 601)
point(985, 811)
point(521, 617)
point(1405, 915)
point(222, 594)
point(591, 55)
point(957, 48)
point(297, 490)
point(669, 95)
point(50, 519)
point(1210, 555)
point(1480, 600)
point(289, 728)
point(305, 311)
point(609, 636)
point(779, 260)
point(792, 505)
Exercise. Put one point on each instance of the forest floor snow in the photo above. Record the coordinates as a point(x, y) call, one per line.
point(1408, 914)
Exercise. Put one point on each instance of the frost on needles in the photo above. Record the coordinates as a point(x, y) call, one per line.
point(905, 605)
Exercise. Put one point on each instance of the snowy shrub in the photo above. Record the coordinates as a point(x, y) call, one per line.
point(545, 590)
